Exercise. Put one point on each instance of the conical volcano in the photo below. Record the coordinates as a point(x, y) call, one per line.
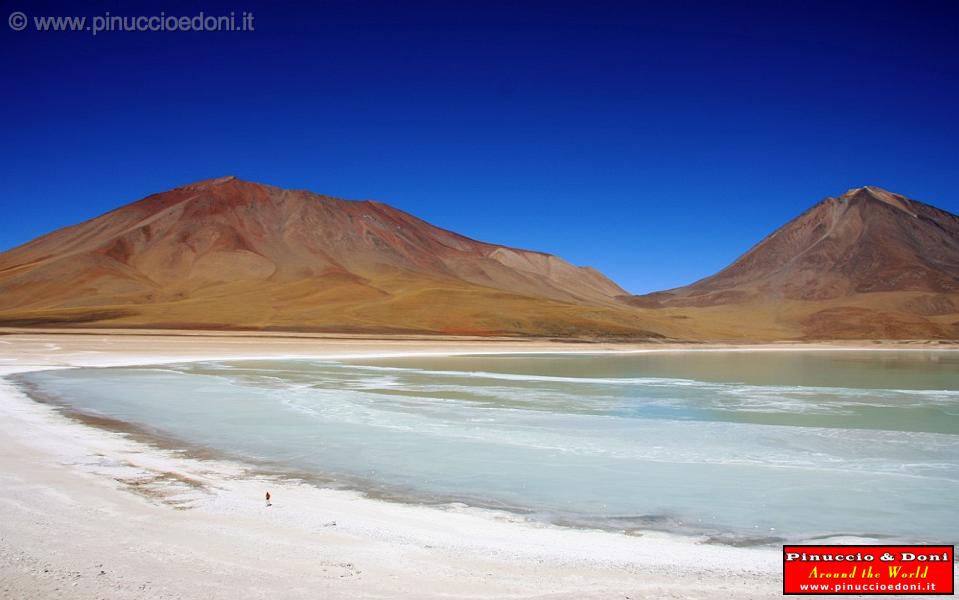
point(868, 263)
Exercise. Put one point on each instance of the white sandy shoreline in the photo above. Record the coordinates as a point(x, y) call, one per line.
point(80, 500)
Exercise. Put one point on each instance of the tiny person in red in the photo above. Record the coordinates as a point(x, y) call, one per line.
point(268, 499)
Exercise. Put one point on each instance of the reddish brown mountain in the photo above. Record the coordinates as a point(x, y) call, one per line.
point(867, 264)
point(230, 254)
point(227, 253)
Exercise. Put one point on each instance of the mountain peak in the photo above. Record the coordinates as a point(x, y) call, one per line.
point(872, 193)
point(208, 183)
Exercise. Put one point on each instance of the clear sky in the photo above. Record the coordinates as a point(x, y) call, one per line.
point(655, 141)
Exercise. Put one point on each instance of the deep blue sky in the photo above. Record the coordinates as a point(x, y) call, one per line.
point(654, 141)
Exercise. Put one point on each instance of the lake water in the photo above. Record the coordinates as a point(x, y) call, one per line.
point(743, 447)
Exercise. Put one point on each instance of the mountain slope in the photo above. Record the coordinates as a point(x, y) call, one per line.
point(866, 264)
point(228, 253)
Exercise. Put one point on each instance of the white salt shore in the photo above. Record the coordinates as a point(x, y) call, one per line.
point(90, 513)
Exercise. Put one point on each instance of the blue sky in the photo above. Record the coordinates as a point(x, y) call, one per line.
point(653, 141)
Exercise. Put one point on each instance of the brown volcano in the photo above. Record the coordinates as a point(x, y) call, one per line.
point(868, 264)
point(227, 253)
point(230, 254)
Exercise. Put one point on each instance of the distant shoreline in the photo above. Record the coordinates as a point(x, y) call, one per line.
point(560, 343)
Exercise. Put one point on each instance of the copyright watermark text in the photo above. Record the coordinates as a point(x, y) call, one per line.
point(107, 22)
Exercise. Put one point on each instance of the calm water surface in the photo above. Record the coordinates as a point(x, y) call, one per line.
point(746, 447)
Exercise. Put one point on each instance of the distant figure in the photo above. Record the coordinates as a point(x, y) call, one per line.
point(268, 498)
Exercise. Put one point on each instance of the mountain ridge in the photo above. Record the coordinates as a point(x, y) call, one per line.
point(224, 253)
point(203, 239)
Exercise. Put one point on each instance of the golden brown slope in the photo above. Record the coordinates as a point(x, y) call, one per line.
point(227, 253)
point(867, 264)
point(230, 254)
